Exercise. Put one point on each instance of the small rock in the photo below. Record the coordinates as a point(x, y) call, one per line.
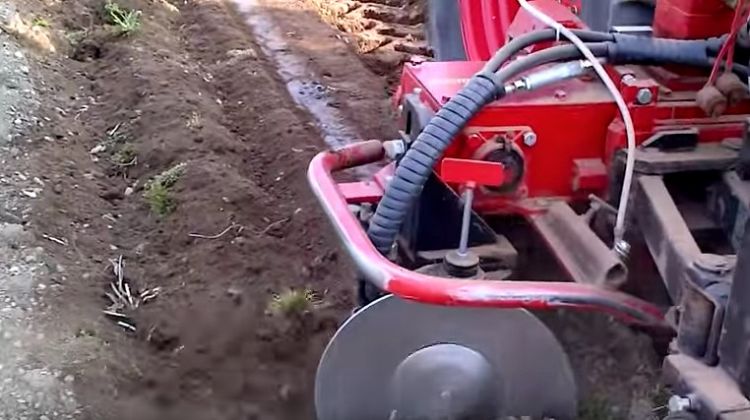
point(15, 151)
point(285, 392)
point(69, 379)
point(18, 54)
point(235, 293)
point(129, 191)
point(99, 148)
point(24, 69)
point(57, 188)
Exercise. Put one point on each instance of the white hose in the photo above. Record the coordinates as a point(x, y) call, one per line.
point(621, 105)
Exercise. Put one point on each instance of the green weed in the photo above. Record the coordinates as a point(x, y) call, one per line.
point(292, 302)
point(125, 155)
point(158, 197)
point(127, 21)
point(596, 409)
point(40, 22)
point(157, 190)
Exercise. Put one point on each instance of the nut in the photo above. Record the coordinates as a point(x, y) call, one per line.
point(644, 96)
point(394, 149)
point(529, 138)
point(679, 404)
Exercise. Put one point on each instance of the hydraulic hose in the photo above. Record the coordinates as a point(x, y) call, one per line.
point(532, 38)
point(549, 55)
point(417, 164)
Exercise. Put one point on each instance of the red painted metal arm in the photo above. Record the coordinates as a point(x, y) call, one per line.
point(441, 291)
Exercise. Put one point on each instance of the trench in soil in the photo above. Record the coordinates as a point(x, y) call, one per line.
point(242, 94)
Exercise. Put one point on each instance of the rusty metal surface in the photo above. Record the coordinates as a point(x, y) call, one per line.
point(583, 255)
point(703, 158)
point(734, 349)
point(667, 236)
point(716, 391)
point(701, 319)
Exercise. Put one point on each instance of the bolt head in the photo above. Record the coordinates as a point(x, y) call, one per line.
point(530, 138)
point(679, 404)
point(644, 96)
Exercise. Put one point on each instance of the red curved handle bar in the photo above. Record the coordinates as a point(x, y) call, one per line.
point(414, 286)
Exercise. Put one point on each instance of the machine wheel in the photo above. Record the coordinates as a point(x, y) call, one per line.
point(396, 359)
point(444, 30)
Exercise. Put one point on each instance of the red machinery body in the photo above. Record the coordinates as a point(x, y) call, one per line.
point(545, 169)
point(690, 19)
point(576, 124)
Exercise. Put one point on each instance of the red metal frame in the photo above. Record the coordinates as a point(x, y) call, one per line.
point(474, 172)
point(692, 19)
point(486, 24)
point(574, 120)
point(448, 292)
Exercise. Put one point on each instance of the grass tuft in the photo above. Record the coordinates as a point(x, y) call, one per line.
point(125, 155)
point(292, 302)
point(40, 22)
point(157, 190)
point(125, 20)
point(596, 409)
point(158, 197)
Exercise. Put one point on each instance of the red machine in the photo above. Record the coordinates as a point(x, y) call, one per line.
point(529, 177)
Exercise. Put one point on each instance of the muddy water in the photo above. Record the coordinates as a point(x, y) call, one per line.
point(301, 82)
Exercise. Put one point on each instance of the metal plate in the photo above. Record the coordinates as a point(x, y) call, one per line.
point(356, 370)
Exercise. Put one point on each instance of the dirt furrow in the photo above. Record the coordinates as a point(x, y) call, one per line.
point(190, 96)
point(386, 33)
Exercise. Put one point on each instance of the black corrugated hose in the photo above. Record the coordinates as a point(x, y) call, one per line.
point(416, 166)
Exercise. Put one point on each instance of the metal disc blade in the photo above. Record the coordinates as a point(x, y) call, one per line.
point(355, 373)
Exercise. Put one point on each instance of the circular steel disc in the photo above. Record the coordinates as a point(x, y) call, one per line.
point(354, 379)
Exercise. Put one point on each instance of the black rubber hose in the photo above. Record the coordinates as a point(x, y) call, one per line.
point(416, 166)
point(738, 69)
point(527, 40)
point(549, 55)
point(634, 49)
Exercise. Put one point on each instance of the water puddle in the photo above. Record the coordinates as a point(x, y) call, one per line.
point(308, 93)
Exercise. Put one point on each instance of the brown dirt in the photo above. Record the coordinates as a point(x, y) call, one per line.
point(192, 87)
point(386, 32)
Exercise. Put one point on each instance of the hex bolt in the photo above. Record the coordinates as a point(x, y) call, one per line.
point(394, 149)
point(678, 404)
point(644, 96)
point(529, 138)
